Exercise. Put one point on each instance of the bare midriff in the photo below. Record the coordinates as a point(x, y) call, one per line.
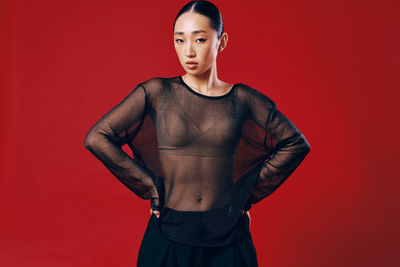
point(198, 185)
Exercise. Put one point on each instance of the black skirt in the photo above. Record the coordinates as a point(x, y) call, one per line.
point(158, 251)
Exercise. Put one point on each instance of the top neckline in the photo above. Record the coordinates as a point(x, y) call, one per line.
point(206, 96)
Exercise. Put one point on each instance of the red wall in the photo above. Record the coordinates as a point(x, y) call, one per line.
point(331, 66)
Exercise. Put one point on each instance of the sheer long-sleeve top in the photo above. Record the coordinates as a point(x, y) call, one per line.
point(200, 160)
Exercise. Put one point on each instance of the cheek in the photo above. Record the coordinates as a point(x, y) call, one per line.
point(176, 49)
point(209, 52)
point(178, 52)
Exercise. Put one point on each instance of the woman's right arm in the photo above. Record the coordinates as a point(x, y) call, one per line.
point(105, 139)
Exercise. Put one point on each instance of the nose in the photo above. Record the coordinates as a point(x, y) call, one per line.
point(189, 50)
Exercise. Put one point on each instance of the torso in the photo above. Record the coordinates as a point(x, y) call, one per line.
point(197, 137)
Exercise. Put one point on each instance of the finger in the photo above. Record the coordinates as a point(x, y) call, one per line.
point(155, 212)
point(248, 214)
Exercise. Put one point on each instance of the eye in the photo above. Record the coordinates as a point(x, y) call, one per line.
point(177, 40)
point(202, 40)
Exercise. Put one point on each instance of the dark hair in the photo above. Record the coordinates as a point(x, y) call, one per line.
point(207, 9)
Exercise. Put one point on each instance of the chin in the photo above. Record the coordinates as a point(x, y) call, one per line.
point(196, 71)
point(191, 71)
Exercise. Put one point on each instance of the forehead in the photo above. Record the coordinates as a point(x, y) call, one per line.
point(189, 21)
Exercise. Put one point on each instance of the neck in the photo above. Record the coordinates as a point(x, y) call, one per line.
point(204, 82)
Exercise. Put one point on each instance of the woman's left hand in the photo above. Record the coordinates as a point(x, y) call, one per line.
point(248, 215)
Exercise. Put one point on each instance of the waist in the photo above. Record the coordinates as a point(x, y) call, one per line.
point(215, 227)
point(201, 151)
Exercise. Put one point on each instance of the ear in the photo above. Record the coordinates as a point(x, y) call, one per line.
point(223, 42)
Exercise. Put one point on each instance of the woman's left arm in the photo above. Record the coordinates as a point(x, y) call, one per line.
point(286, 144)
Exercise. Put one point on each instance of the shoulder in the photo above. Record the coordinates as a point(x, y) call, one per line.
point(153, 83)
point(158, 83)
point(251, 96)
point(154, 86)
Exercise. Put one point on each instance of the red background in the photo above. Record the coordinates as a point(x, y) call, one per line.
point(331, 66)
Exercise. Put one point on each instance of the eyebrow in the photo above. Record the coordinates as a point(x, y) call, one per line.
point(195, 32)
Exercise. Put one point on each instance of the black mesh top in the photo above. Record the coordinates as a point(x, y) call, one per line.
point(200, 160)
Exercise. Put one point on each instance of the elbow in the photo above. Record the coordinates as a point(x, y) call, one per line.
point(86, 143)
point(90, 140)
point(306, 146)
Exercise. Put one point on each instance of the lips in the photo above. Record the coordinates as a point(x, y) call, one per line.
point(191, 64)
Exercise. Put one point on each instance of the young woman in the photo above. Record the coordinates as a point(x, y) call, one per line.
point(204, 151)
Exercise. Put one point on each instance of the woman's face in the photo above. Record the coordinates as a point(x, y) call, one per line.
point(195, 40)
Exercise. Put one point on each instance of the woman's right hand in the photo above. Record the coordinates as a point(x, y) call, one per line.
point(156, 212)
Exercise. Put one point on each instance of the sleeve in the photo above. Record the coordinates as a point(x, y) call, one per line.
point(285, 146)
point(105, 139)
